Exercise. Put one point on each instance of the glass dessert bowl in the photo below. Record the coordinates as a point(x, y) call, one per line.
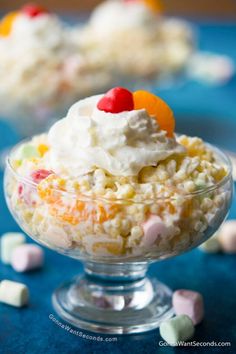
point(120, 219)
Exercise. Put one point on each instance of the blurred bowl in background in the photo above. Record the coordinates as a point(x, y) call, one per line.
point(42, 71)
point(137, 42)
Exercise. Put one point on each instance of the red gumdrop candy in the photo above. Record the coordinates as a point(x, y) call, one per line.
point(39, 175)
point(116, 100)
point(33, 10)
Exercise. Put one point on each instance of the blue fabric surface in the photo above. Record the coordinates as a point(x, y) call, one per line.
point(206, 111)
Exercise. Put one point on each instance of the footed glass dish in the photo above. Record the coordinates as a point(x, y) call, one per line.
point(115, 294)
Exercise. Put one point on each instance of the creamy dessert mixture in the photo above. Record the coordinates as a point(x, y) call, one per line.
point(112, 179)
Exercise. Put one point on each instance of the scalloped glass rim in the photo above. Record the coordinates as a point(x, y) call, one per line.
point(224, 158)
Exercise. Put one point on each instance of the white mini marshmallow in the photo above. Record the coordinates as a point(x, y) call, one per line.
point(9, 241)
point(211, 68)
point(13, 293)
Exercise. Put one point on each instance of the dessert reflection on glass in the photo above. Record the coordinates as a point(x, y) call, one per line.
point(42, 72)
point(110, 184)
point(136, 39)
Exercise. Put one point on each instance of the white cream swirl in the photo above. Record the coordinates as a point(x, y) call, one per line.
point(121, 143)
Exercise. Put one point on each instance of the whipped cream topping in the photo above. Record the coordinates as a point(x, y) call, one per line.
point(122, 143)
point(116, 16)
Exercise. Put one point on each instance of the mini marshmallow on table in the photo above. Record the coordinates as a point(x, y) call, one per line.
point(190, 303)
point(13, 293)
point(9, 241)
point(179, 328)
point(211, 68)
point(212, 245)
point(27, 257)
point(227, 236)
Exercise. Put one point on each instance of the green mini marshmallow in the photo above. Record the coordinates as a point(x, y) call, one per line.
point(28, 151)
point(8, 242)
point(176, 329)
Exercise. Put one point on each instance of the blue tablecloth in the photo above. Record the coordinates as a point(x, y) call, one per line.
point(206, 111)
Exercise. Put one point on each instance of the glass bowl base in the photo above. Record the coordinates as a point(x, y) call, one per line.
point(113, 307)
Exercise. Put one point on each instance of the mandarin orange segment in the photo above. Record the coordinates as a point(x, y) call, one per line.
point(6, 23)
point(80, 205)
point(156, 107)
point(48, 195)
point(65, 213)
point(105, 213)
point(171, 208)
point(70, 218)
point(81, 212)
point(155, 5)
point(187, 209)
point(50, 188)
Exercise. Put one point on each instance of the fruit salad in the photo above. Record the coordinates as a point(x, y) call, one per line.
point(135, 39)
point(112, 179)
point(41, 70)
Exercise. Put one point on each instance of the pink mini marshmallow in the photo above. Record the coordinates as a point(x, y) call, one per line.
point(153, 228)
point(27, 257)
point(227, 236)
point(190, 303)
